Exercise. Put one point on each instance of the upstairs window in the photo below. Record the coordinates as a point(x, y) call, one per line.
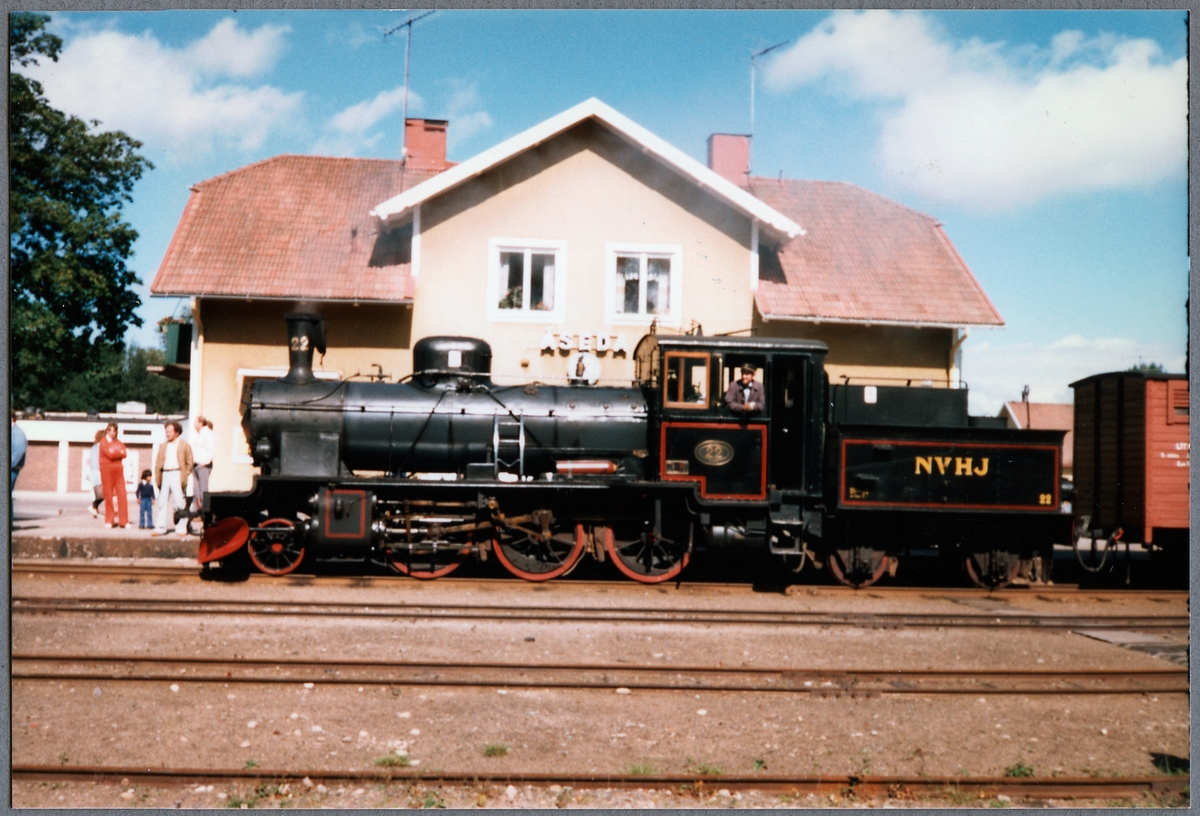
point(526, 280)
point(644, 283)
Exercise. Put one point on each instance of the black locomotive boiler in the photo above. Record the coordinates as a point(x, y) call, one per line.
point(423, 474)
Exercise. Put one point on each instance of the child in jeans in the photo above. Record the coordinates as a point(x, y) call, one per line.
point(145, 494)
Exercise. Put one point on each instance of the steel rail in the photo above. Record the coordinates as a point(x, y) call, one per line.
point(52, 567)
point(27, 604)
point(893, 786)
point(816, 681)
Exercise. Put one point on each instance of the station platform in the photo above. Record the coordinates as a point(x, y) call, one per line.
point(61, 525)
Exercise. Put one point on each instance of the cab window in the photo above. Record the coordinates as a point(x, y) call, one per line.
point(686, 383)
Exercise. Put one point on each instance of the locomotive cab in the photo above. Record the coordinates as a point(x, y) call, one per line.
point(768, 454)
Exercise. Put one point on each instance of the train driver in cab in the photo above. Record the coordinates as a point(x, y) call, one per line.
point(745, 395)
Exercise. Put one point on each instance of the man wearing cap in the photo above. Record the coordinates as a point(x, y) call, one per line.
point(745, 396)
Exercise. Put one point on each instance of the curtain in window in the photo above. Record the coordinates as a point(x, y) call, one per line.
point(658, 285)
point(628, 275)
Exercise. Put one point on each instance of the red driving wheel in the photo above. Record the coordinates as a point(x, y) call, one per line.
point(541, 559)
point(274, 547)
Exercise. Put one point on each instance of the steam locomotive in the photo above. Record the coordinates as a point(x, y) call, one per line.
point(421, 475)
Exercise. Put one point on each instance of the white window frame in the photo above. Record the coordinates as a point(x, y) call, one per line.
point(674, 315)
point(240, 451)
point(496, 285)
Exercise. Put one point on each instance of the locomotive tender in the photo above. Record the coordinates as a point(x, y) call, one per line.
point(423, 474)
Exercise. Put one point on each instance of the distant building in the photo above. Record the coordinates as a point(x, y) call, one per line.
point(1046, 416)
point(575, 236)
point(60, 444)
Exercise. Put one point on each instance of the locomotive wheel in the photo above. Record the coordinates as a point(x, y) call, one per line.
point(992, 569)
point(434, 563)
point(540, 556)
point(644, 558)
point(858, 566)
point(275, 551)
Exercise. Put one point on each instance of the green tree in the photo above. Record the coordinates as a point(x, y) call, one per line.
point(1147, 368)
point(68, 247)
point(120, 376)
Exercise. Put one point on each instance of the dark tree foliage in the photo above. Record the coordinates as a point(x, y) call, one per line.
point(71, 298)
point(1147, 368)
point(118, 376)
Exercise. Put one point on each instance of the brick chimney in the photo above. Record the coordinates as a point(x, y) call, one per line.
point(425, 140)
point(729, 157)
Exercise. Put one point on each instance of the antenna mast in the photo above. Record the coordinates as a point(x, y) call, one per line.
point(408, 25)
point(753, 56)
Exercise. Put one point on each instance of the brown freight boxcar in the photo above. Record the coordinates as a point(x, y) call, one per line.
point(1132, 458)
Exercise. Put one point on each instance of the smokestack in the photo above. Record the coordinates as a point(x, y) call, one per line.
point(425, 144)
point(729, 157)
point(306, 332)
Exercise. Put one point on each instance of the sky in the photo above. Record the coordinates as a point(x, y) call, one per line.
point(1051, 145)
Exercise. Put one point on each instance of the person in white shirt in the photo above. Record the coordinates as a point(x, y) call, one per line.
point(204, 448)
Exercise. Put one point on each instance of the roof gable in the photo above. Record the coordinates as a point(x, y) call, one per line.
point(397, 208)
point(293, 227)
point(864, 259)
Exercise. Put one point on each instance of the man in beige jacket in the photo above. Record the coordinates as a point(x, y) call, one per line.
point(172, 468)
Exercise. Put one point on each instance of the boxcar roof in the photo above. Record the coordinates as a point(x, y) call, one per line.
point(1149, 375)
point(766, 344)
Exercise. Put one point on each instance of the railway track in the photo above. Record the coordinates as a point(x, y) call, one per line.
point(814, 681)
point(189, 570)
point(899, 787)
point(1006, 618)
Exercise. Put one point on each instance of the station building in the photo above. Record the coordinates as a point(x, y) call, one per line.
point(575, 237)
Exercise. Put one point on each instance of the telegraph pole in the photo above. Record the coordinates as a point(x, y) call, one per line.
point(408, 26)
point(753, 56)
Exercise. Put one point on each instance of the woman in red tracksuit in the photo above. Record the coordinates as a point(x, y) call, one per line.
point(112, 477)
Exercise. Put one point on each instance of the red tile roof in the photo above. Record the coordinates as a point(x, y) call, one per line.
point(864, 259)
point(293, 227)
point(1051, 416)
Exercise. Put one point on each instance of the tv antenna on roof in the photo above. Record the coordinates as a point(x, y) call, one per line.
point(753, 56)
point(408, 26)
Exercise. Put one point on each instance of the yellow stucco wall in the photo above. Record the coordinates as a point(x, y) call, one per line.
point(878, 355)
point(236, 335)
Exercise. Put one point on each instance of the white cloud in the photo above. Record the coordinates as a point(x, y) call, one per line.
point(467, 118)
point(996, 373)
point(229, 50)
point(359, 117)
point(349, 131)
point(971, 123)
point(164, 96)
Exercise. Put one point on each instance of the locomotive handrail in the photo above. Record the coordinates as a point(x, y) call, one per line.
point(452, 372)
point(908, 381)
point(636, 411)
